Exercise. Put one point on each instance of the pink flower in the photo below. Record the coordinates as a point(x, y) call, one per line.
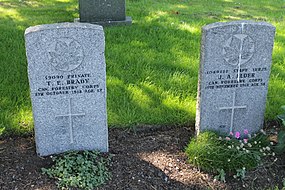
point(228, 138)
point(237, 135)
point(245, 131)
point(245, 140)
point(231, 133)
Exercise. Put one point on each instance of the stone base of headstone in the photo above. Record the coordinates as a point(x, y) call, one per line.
point(128, 21)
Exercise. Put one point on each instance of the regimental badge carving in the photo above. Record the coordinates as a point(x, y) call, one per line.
point(65, 54)
point(238, 49)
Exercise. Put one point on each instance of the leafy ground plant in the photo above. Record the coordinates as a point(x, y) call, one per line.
point(230, 155)
point(86, 170)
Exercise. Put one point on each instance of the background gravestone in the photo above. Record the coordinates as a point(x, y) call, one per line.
point(234, 72)
point(104, 12)
point(67, 76)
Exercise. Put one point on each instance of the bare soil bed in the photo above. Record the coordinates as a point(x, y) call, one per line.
point(146, 158)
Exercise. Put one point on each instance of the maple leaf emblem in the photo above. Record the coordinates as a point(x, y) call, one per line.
point(238, 49)
point(67, 54)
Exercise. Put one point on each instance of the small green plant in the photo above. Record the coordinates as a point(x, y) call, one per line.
point(240, 173)
point(231, 155)
point(221, 175)
point(280, 147)
point(86, 170)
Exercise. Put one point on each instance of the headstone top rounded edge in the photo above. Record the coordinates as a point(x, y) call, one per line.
point(65, 25)
point(247, 22)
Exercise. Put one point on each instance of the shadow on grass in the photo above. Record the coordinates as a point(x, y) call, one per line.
point(156, 75)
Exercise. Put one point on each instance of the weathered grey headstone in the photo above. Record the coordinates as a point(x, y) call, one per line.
point(67, 75)
point(104, 12)
point(234, 72)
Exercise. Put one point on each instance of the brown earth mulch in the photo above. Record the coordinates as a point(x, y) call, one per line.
point(148, 158)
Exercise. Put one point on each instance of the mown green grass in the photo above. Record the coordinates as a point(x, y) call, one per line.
point(152, 65)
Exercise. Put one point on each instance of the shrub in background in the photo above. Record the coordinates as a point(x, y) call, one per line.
point(230, 155)
point(87, 169)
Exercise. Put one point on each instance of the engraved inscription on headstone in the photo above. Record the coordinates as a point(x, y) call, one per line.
point(67, 75)
point(234, 73)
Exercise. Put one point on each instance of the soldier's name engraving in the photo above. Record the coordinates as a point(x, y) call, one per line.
point(68, 84)
point(244, 77)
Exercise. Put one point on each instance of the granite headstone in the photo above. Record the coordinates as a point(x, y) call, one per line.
point(233, 79)
point(67, 76)
point(104, 12)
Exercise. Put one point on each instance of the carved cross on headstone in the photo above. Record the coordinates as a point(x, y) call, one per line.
point(70, 115)
point(233, 107)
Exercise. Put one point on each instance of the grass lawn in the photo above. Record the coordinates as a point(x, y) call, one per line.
point(152, 65)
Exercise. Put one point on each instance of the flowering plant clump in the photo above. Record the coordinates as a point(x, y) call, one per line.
point(235, 153)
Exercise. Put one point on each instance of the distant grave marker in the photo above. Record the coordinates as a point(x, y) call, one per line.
point(67, 76)
point(234, 72)
point(104, 12)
